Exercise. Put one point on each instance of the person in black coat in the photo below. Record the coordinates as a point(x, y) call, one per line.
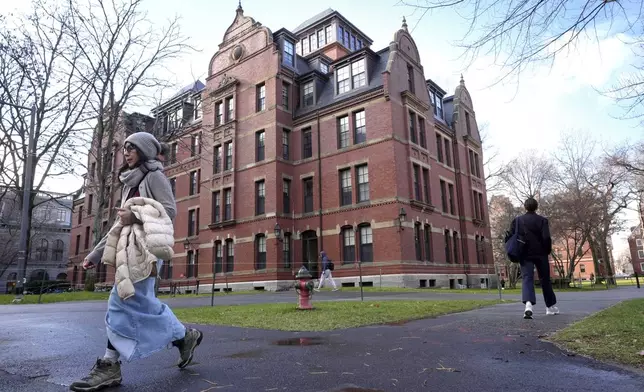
point(538, 246)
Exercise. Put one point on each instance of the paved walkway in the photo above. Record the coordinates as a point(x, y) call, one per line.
point(46, 347)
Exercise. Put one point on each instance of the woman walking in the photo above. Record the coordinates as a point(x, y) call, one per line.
point(138, 324)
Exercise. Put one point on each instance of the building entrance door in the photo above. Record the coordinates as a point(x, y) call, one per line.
point(310, 252)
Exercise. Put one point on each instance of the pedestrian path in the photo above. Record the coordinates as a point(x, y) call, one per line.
point(490, 349)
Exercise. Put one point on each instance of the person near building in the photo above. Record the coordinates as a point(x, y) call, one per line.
point(536, 231)
point(327, 267)
point(141, 324)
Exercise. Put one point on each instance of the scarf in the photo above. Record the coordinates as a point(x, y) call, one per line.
point(133, 177)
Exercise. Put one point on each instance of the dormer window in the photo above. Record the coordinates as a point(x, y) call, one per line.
point(324, 68)
point(289, 51)
point(198, 111)
point(437, 102)
point(308, 94)
point(313, 42)
point(351, 76)
point(178, 117)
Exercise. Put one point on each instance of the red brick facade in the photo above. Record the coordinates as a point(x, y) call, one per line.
point(382, 166)
point(636, 247)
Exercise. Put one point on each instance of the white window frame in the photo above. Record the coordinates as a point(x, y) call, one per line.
point(350, 74)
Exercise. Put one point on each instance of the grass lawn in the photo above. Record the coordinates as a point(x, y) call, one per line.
point(5, 299)
point(614, 335)
point(326, 316)
point(491, 291)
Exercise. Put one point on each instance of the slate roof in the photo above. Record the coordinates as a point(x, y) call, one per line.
point(313, 20)
point(195, 86)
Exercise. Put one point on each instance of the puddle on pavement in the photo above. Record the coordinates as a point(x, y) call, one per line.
point(312, 341)
point(246, 354)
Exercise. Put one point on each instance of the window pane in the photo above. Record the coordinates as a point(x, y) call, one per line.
point(359, 75)
point(289, 51)
point(363, 183)
point(360, 127)
point(344, 83)
point(343, 132)
point(308, 94)
point(345, 179)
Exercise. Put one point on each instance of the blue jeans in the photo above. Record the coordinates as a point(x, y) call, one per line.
point(527, 273)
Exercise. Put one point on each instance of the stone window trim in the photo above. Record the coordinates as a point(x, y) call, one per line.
point(222, 108)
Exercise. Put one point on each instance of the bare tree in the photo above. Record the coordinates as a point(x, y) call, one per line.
point(124, 52)
point(502, 212)
point(529, 175)
point(37, 66)
point(623, 261)
point(573, 217)
point(494, 170)
point(522, 33)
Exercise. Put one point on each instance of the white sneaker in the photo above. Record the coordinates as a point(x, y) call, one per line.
point(527, 313)
point(336, 289)
point(318, 290)
point(552, 310)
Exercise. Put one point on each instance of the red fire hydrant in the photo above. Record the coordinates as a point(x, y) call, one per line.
point(304, 288)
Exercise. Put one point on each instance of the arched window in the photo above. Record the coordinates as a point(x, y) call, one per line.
point(348, 238)
point(286, 249)
point(219, 253)
point(417, 246)
point(428, 242)
point(260, 252)
point(57, 254)
point(366, 243)
point(61, 276)
point(38, 275)
point(42, 250)
point(230, 255)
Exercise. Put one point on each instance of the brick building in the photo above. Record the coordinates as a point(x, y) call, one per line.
point(85, 231)
point(308, 140)
point(50, 227)
point(584, 266)
point(636, 246)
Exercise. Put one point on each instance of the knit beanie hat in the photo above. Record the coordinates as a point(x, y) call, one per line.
point(147, 144)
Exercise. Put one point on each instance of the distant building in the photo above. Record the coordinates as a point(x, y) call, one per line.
point(636, 246)
point(308, 140)
point(85, 205)
point(51, 224)
point(584, 266)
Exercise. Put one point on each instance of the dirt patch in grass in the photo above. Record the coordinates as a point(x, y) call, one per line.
point(613, 335)
point(327, 315)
